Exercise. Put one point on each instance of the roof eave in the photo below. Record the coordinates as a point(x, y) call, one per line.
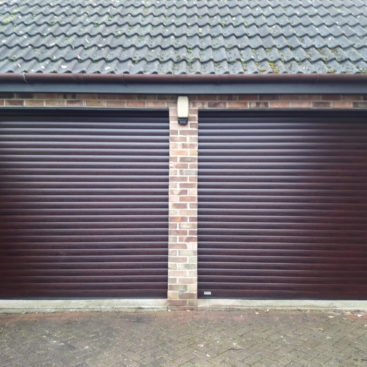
point(182, 78)
point(184, 84)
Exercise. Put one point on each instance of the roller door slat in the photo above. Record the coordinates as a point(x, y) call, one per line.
point(52, 292)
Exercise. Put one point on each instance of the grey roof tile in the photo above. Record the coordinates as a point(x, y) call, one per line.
point(183, 36)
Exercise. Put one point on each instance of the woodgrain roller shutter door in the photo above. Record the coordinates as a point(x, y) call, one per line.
point(84, 204)
point(283, 205)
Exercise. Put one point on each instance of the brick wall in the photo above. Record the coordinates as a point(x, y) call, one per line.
point(167, 101)
point(182, 265)
point(182, 274)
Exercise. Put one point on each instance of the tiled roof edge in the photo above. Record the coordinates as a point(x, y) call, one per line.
point(29, 78)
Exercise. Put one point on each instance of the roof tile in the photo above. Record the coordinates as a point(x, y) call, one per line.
point(183, 37)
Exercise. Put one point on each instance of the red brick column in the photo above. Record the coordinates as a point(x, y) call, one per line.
point(182, 263)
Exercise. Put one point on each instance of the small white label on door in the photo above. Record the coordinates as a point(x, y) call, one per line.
point(207, 293)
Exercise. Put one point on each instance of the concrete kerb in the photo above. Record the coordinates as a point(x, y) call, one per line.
point(136, 305)
point(327, 305)
point(85, 305)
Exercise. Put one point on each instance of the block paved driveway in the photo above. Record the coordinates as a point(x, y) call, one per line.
point(186, 339)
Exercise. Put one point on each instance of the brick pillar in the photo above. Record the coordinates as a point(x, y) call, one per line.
point(182, 259)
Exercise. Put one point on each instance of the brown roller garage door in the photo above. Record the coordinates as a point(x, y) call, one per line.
point(84, 204)
point(283, 205)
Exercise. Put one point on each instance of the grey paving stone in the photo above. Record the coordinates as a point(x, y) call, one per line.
point(184, 339)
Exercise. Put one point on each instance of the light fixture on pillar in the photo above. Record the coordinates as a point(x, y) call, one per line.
point(183, 110)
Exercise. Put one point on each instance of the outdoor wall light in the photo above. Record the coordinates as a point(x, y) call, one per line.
point(183, 110)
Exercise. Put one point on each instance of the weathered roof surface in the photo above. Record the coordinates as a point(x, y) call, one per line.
point(183, 36)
